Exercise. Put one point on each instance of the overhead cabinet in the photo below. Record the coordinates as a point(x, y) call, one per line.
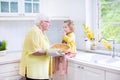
point(19, 7)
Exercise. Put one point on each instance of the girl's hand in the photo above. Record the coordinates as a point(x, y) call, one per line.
point(64, 33)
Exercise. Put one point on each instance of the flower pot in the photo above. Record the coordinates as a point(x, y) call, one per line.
point(90, 45)
point(2, 53)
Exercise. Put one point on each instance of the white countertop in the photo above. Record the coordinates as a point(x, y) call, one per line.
point(98, 61)
point(103, 62)
point(10, 57)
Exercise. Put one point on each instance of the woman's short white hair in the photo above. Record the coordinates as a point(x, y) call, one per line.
point(41, 17)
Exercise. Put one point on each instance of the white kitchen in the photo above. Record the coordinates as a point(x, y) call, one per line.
point(97, 36)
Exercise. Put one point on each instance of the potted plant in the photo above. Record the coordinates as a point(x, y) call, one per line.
point(2, 47)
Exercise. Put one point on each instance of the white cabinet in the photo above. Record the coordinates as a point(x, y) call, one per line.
point(9, 7)
point(9, 71)
point(92, 74)
point(19, 7)
point(112, 76)
point(74, 72)
point(80, 72)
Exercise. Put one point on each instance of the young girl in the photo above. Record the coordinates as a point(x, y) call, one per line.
point(69, 39)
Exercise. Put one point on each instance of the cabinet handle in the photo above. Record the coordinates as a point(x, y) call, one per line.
point(82, 67)
point(78, 66)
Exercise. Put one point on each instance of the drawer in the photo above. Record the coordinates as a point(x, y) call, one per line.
point(74, 65)
point(17, 77)
point(9, 67)
point(7, 74)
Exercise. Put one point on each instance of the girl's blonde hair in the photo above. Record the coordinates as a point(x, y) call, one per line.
point(70, 25)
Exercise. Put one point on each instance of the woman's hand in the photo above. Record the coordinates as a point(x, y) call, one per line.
point(40, 53)
point(53, 52)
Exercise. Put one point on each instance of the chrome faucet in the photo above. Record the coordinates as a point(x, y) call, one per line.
point(113, 47)
point(113, 55)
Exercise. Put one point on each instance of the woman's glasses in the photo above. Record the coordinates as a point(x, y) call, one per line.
point(47, 21)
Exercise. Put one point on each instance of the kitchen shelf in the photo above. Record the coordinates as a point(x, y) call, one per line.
point(12, 18)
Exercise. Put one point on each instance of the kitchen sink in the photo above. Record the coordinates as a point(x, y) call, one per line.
point(99, 59)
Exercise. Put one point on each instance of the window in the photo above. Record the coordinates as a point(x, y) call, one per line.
point(110, 19)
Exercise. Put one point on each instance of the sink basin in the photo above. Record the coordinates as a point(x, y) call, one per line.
point(99, 59)
point(112, 60)
point(108, 61)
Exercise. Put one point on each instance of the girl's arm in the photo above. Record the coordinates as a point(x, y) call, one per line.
point(69, 38)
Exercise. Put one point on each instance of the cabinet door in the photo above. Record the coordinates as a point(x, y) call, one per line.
point(9, 6)
point(74, 72)
point(31, 7)
point(92, 74)
point(19, 7)
point(16, 77)
point(112, 76)
point(9, 67)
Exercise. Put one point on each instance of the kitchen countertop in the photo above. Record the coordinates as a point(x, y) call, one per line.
point(10, 57)
point(98, 61)
point(103, 62)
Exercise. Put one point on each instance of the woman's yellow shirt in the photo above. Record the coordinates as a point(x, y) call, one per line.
point(36, 67)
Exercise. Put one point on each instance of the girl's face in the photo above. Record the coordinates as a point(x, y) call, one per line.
point(66, 28)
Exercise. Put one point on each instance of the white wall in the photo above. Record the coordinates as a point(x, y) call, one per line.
point(74, 9)
point(92, 18)
point(55, 32)
point(14, 31)
point(71, 8)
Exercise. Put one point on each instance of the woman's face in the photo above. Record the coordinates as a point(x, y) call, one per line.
point(66, 28)
point(45, 25)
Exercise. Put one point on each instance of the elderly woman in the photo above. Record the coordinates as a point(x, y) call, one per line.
point(35, 64)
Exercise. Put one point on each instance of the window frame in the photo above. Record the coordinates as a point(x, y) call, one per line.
point(98, 28)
